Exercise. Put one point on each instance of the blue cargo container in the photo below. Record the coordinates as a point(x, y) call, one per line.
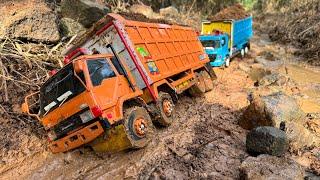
point(224, 39)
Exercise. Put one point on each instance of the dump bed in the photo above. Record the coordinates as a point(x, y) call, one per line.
point(239, 30)
point(152, 51)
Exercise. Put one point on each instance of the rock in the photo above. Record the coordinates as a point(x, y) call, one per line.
point(271, 110)
point(29, 21)
point(269, 64)
point(257, 72)
point(300, 137)
point(269, 167)
point(85, 12)
point(70, 27)
point(266, 140)
point(273, 79)
point(169, 11)
point(142, 9)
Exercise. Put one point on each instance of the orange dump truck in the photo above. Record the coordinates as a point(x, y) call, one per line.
point(120, 78)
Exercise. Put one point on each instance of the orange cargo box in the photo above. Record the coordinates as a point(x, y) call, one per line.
point(152, 51)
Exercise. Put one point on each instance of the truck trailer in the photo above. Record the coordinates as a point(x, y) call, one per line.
point(120, 78)
point(225, 39)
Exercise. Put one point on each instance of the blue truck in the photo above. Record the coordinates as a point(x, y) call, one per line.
point(225, 39)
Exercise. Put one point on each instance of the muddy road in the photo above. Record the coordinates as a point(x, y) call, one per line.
point(205, 141)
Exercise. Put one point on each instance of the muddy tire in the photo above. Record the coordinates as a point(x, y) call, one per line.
point(166, 109)
point(138, 126)
point(199, 88)
point(207, 80)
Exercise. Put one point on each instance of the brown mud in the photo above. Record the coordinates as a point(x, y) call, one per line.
point(232, 12)
point(143, 18)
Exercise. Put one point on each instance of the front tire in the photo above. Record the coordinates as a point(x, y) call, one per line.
point(138, 126)
point(227, 63)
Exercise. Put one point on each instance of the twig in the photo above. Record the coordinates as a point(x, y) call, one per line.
point(8, 78)
point(4, 83)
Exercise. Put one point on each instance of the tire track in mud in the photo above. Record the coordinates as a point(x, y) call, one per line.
point(216, 150)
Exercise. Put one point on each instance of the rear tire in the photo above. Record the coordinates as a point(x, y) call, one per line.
point(246, 50)
point(207, 80)
point(242, 53)
point(166, 109)
point(199, 88)
point(138, 126)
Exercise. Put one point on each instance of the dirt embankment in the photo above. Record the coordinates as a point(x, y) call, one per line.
point(299, 26)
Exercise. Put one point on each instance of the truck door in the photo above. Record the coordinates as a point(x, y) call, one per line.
point(224, 47)
point(108, 84)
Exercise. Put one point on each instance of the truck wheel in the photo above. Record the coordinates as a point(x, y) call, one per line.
point(199, 88)
point(242, 52)
point(246, 50)
point(207, 80)
point(166, 107)
point(138, 126)
point(227, 63)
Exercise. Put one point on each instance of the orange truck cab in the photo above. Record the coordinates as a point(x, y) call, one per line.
point(120, 78)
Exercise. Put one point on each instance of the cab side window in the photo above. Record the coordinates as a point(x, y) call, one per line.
point(99, 69)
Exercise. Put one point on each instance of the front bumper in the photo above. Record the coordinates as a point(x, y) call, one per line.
point(77, 138)
point(217, 63)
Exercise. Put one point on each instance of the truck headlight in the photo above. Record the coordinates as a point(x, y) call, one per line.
point(86, 116)
point(51, 135)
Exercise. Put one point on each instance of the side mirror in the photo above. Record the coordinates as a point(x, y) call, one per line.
point(25, 107)
point(78, 66)
point(222, 42)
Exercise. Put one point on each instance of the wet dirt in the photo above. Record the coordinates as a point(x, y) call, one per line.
point(204, 141)
point(143, 18)
point(232, 12)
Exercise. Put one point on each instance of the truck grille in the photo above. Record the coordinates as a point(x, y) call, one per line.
point(69, 124)
point(212, 57)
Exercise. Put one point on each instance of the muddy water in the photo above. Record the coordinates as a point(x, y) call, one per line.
point(308, 81)
point(307, 78)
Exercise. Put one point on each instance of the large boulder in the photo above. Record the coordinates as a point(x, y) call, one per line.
point(266, 167)
point(85, 12)
point(28, 21)
point(266, 140)
point(71, 27)
point(271, 110)
point(169, 11)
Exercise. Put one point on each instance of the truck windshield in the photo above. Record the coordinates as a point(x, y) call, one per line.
point(59, 89)
point(99, 69)
point(211, 43)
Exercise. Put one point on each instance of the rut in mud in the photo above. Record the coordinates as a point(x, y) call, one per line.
point(215, 151)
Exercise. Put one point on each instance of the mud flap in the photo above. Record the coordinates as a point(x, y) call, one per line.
point(113, 140)
point(210, 71)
